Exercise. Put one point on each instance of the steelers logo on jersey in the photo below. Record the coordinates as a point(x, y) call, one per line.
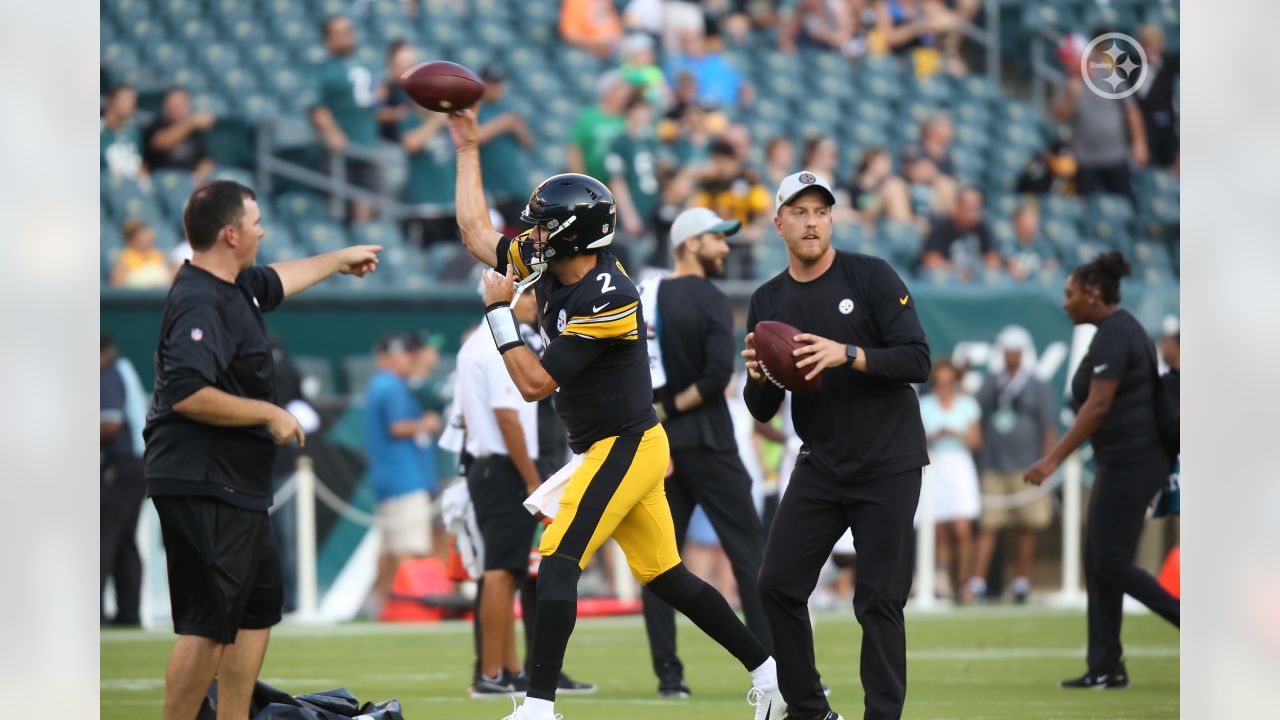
point(561, 320)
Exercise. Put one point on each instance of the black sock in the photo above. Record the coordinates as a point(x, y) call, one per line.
point(557, 614)
point(708, 609)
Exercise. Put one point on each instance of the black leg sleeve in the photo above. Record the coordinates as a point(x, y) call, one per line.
point(708, 609)
point(557, 614)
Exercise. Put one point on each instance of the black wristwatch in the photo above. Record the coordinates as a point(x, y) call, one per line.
point(851, 353)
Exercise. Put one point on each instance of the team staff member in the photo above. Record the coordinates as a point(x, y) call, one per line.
point(1114, 393)
point(864, 447)
point(695, 336)
point(597, 365)
point(211, 435)
point(502, 442)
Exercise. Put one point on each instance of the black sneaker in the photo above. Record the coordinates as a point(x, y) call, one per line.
point(1117, 679)
point(672, 688)
point(568, 686)
point(492, 687)
point(519, 681)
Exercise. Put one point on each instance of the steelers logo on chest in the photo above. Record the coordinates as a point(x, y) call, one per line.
point(845, 306)
point(561, 320)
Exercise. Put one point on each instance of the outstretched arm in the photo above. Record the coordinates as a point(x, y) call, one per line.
point(298, 275)
point(474, 224)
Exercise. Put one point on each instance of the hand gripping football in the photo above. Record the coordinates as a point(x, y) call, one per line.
point(773, 342)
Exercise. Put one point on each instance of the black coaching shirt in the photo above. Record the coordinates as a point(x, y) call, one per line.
point(862, 424)
point(212, 335)
point(595, 352)
point(695, 331)
point(1122, 351)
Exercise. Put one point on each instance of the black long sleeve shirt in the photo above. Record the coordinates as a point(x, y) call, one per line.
point(695, 330)
point(862, 424)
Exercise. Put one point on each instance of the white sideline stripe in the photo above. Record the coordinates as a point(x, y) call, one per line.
point(1148, 651)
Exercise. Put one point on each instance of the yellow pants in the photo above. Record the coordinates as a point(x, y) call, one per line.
point(618, 491)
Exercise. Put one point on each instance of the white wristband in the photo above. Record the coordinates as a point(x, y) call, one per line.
point(502, 324)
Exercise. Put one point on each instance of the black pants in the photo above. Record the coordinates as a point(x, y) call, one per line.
point(122, 490)
point(1115, 179)
point(814, 512)
point(1117, 511)
point(720, 484)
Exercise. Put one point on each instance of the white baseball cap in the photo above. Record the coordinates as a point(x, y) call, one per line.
point(1015, 337)
point(697, 220)
point(796, 183)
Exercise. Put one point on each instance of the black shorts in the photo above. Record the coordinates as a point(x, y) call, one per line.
point(224, 570)
point(497, 494)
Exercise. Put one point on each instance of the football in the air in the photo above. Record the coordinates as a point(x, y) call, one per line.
point(774, 343)
point(442, 86)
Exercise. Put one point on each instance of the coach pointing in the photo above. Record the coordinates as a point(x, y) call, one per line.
point(210, 438)
point(864, 447)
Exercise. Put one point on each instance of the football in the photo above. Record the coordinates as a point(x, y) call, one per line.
point(442, 86)
point(774, 344)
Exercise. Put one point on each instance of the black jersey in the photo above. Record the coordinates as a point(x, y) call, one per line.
point(212, 335)
point(593, 330)
point(862, 424)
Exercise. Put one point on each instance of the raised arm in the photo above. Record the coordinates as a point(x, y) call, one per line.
point(478, 234)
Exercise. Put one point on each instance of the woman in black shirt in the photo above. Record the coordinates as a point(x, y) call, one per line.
point(1114, 393)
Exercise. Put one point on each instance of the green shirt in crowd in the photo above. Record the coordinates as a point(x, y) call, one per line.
point(121, 150)
point(636, 159)
point(431, 170)
point(502, 159)
point(349, 89)
point(592, 133)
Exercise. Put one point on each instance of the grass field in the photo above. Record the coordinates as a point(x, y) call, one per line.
point(976, 663)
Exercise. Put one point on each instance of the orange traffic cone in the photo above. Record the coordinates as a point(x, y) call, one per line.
point(1171, 573)
point(416, 580)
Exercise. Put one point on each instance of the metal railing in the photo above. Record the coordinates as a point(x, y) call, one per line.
point(1043, 74)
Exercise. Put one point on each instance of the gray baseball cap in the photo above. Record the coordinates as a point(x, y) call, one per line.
point(697, 220)
point(796, 183)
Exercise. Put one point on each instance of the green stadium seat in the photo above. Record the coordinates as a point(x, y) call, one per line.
point(296, 31)
point(977, 87)
point(1152, 254)
point(192, 77)
point(236, 8)
point(377, 232)
point(218, 57)
point(127, 11)
point(1046, 16)
point(328, 8)
point(1115, 16)
point(1001, 205)
point(298, 205)
point(172, 188)
point(874, 112)
point(1064, 234)
point(238, 82)
point(321, 236)
point(267, 55)
point(971, 112)
point(195, 31)
point(208, 101)
point(935, 88)
point(902, 240)
point(248, 32)
point(1059, 206)
point(883, 87)
point(120, 53)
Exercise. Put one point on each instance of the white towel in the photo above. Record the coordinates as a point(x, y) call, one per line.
point(649, 305)
point(459, 517)
point(546, 499)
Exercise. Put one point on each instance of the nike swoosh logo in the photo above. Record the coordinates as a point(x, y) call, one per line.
point(598, 309)
point(1099, 368)
point(903, 300)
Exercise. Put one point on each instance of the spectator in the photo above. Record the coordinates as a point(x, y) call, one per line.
point(734, 192)
point(920, 28)
point(1105, 134)
point(393, 419)
point(719, 84)
point(876, 192)
point(952, 425)
point(176, 138)
point(343, 107)
point(598, 126)
point(932, 193)
point(632, 176)
point(504, 141)
point(429, 187)
point(141, 264)
point(962, 242)
point(395, 103)
point(1032, 252)
point(819, 25)
point(424, 356)
point(779, 160)
point(1019, 424)
point(936, 135)
point(120, 146)
point(822, 157)
point(640, 70)
point(1156, 98)
point(593, 25)
point(122, 409)
point(1052, 170)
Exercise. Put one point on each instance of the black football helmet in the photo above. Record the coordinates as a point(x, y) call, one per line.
point(578, 211)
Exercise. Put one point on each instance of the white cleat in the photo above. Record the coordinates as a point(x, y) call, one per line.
point(768, 705)
point(520, 713)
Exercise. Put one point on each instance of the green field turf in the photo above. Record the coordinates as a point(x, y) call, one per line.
point(973, 663)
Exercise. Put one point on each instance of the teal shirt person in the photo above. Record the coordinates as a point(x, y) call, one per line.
point(502, 159)
point(431, 170)
point(593, 132)
point(636, 159)
point(349, 89)
point(120, 150)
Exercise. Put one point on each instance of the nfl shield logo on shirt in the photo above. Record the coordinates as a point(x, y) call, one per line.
point(197, 334)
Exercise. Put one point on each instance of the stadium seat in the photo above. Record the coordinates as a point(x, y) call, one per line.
point(902, 240)
point(191, 77)
point(300, 205)
point(172, 188)
point(1064, 235)
point(321, 236)
point(247, 32)
point(237, 81)
point(377, 232)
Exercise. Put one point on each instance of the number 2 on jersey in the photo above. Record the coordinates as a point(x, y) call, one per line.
point(606, 277)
